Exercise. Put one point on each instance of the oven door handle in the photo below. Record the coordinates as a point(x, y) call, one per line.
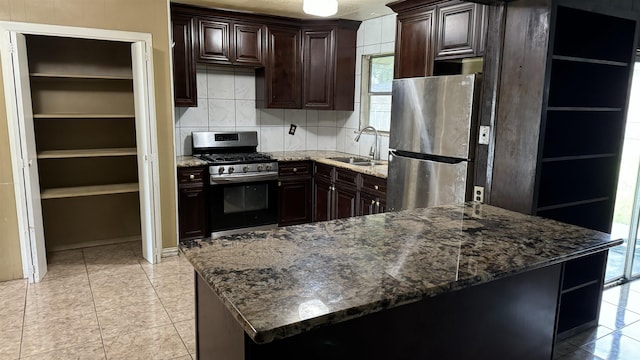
point(242, 178)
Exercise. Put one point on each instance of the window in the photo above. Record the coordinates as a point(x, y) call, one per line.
point(377, 76)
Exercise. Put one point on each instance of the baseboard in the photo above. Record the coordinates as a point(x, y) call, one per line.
point(168, 252)
point(92, 243)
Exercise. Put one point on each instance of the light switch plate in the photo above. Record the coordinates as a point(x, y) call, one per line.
point(483, 138)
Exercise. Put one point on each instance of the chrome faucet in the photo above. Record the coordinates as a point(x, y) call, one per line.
point(374, 148)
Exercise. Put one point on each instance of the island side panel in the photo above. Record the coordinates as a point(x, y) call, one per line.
point(218, 334)
point(510, 318)
point(513, 317)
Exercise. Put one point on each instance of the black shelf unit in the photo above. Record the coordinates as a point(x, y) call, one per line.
point(583, 117)
point(581, 135)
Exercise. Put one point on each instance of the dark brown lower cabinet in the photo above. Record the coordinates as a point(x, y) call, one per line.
point(340, 193)
point(344, 202)
point(191, 203)
point(322, 193)
point(367, 204)
point(372, 195)
point(335, 193)
point(294, 193)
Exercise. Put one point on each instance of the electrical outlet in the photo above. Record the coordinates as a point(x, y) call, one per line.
point(478, 194)
point(292, 129)
point(483, 138)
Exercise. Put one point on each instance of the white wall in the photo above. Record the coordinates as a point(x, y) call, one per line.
point(226, 101)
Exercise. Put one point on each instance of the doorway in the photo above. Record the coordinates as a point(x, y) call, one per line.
point(624, 260)
point(60, 95)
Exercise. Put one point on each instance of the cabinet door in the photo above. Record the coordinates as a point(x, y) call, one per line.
point(414, 45)
point(381, 203)
point(323, 199)
point(344, 202)
point(283, 70)
point(367, 204)
point(248, 44)
point(295, 202)
point(214, 42)
point(458, 30)
point(184, 66)
point(318, 62)
point(191, 212)
point(191, 202)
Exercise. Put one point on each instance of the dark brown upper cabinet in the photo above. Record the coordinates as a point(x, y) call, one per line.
point(318, 68)
point(278, 83)
point(301, 64)
point(414, 44)
point(249, 41)
point(329, 65)
point(213, 41)
point(429, 30)
point(227, 42)
point(461, 30)
point(329, 60)
point(184, 65)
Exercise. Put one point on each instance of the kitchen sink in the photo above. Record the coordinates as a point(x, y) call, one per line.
point(358, 161)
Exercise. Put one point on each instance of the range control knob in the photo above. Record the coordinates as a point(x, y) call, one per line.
point(259, 168)
point(231, 170)
point(268, 167)
point(245, 168)
point(221, 170)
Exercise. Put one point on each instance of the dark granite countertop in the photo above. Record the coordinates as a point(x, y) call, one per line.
point(289, 280)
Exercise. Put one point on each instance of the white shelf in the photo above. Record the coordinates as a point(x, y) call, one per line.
point(77, 191)
point(81, 76)
point(82, 153)
point(84, 116)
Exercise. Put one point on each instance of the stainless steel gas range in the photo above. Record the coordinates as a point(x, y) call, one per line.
point(243, 183)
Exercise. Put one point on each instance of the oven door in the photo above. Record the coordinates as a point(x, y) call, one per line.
point(243, 203)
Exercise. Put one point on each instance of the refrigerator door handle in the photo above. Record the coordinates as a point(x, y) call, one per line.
point(425, 157)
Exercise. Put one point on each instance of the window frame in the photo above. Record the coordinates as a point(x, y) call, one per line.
point(366, 93)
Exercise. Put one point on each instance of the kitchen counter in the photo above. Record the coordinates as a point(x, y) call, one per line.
point(189, 161)
point(322, 156)
point(288, 281)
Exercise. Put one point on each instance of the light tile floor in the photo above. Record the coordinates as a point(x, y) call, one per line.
point(101, 303)
point(108, 303)
point(618, 335)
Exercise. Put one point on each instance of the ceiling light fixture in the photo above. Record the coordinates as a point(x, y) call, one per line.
point(322, 8)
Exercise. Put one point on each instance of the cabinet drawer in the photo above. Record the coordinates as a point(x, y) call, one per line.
point(294, 168)
point(324, 171)
point(346, 177)
point(191, 176)
point(374, 185)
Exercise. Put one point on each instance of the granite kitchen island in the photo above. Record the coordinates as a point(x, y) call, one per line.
point(449, 282)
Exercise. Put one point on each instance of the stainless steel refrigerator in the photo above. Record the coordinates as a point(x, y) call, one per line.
point(432, 141)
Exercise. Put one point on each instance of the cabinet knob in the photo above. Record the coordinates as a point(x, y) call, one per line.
point(377, 203)
point(279, 183)
point(191, 177)
point(375, 187)
point(295, 169)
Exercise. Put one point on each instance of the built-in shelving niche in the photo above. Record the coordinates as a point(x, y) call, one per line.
point(84, 123)
point(584, 117)
point(582, 128)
